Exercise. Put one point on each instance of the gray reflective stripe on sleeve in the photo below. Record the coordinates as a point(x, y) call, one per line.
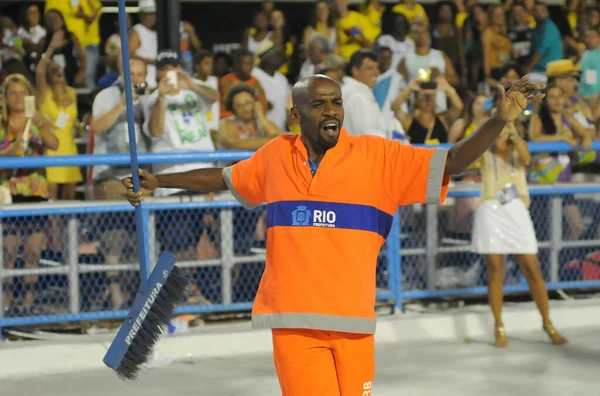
point(346, 324)
point(437, 166)
point(227, 177)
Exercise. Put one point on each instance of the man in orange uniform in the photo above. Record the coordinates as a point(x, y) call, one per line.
point(330, 200)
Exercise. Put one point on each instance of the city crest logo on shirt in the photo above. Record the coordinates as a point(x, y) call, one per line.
point(316, 218)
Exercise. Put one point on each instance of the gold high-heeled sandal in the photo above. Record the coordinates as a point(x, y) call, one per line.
point(501, 340)
point(554, 335)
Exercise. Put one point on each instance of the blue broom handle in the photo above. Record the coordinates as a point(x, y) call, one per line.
point(139, 215)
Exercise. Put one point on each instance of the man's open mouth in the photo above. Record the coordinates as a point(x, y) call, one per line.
point(331, 127)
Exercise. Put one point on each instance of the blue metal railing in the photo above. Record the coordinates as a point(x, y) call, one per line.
point(394, 290)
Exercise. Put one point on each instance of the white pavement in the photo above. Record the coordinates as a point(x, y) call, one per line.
point(529, 366)
point(418, 354)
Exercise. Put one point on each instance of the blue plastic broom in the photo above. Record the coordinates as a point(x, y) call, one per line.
point(153, 307)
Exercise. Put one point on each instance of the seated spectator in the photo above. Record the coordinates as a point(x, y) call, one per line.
point(547, 44)
point(69, 55)
point(424, 126)
point(520, 34)
point(222, 64)
point(362, 113)
point(413, 11)
point(174, 117)
point(321, 23)
point(58, 102)
point(447, 37)
point(397, 40)
point(389, 81)
point(373, 10)
point(496, 46)
point(277, 89)
point(283, 38)
point(253, 37)
point(33, 35)
point(25, 185)
point(335, 67)
point(562, 73)
point(247, 128)
point(90, 11)
point(112, 47)
point(203, 66)
point(317, 51)
point(10, 41)
point(472, 30)
point(427, 58)
point(190, 45)
point(353, 29)
point(589, 86)
point(143, 39)
point(554, 124)
point(241, 74)
point(111, 136)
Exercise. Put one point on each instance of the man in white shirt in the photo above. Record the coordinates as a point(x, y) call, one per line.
point(363, 115)
point(111, 136)
point(175, 120)
point(277, 88)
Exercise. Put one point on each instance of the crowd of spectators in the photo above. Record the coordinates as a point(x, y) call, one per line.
point(422, 78)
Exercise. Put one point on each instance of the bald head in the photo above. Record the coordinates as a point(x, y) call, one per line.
point(318, 108)
point(301, 92)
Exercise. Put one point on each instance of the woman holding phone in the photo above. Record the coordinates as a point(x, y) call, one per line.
point(502, 226)
point(23, 185)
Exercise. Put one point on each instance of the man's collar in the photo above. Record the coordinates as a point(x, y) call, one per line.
point(354, 81)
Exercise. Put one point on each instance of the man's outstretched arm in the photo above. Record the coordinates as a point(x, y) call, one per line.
point(200, 180)
point(510, 106)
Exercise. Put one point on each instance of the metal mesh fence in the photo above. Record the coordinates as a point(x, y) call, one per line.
point(87, 263)
point(437, 254)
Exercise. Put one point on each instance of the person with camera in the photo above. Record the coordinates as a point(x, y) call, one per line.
point(424, 126)
point(175, 119)
point(502, 225)
point(111, 136)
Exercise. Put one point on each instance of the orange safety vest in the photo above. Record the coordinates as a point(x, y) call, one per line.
point(325, 232)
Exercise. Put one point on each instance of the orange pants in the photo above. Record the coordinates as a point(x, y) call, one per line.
point(324, 363)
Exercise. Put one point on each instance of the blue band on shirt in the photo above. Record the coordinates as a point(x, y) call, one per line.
point(328, 215)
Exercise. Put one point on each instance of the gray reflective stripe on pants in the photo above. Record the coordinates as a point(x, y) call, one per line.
point(437, 166)
point(346, 324)
point(228, 180)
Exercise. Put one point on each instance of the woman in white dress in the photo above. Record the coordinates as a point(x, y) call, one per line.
point(502, 225)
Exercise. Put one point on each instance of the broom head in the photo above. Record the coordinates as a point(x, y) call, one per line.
point(151, 312)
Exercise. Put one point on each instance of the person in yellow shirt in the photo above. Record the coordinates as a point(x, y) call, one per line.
point(373, 10)
point(354, 30)
point(69, 9)
point(90, 11)
point(412, 11)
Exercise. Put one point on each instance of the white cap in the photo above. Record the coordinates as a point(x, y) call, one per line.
point(146, 6)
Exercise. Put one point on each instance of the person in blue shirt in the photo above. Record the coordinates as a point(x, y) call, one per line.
point(589, 86)
point(547, 43)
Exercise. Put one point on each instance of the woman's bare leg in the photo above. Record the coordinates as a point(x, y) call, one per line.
point(528, 263)
point(495, 270)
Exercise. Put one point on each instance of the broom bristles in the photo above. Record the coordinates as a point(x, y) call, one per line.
point(159, 316)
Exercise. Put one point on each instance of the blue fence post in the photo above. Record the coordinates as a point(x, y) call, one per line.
point(395, 261)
